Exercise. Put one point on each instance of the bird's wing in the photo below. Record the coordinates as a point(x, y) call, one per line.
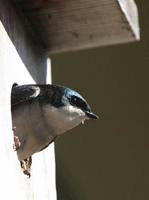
point(23, 94)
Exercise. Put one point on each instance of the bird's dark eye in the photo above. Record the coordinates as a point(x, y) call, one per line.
point(78, 102)
point(74, 100)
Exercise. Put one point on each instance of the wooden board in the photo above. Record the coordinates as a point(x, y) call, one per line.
point(71, 25)
point(21, 61)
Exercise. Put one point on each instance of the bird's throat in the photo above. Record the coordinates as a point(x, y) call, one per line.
point(63, 119)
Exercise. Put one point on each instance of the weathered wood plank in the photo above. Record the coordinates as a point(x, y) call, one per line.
point(70, 25)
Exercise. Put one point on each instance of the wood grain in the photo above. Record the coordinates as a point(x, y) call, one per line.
point(71, 25)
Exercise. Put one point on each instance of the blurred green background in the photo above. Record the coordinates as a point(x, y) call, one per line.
point(107, 158)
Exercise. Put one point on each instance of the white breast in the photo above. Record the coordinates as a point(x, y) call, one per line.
point(31, 129)
point(63, 118)
point(36, 126)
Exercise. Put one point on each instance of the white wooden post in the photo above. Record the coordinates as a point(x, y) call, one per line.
point(13, 183)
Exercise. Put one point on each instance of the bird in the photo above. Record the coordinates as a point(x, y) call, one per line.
point(43, 112)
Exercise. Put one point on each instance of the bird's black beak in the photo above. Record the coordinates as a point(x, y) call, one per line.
point(91, 115)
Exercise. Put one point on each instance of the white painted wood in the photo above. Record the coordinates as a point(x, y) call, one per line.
point(13, 183)
point(130, 11)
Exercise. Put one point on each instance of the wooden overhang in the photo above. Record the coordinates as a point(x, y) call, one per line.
point(60, 25)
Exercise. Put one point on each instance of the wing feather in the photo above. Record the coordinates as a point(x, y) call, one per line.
point(23, 94)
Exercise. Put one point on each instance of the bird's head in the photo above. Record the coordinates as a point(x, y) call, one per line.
point(77, 104)
point(66, 108)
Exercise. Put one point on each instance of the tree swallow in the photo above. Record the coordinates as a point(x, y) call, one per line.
point(41, 113)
